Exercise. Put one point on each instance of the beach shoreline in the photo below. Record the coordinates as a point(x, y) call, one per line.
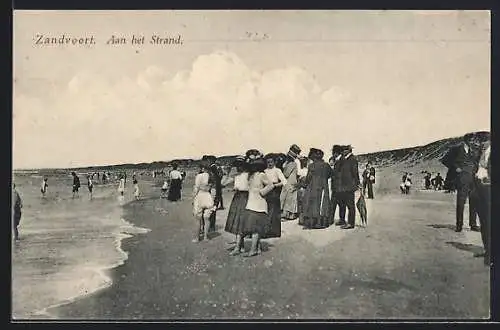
point(303, 275)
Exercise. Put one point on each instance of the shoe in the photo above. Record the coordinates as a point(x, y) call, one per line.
point(340, 223)
point(235, 252)
point(458, 230)
point(478, 255)
point(475, 228)
point(347, 227)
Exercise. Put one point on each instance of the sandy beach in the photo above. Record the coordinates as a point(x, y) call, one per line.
point(409, 263)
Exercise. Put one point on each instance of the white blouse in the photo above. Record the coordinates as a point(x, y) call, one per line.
point(175, 175)
point(275, 175)
point(241, 182)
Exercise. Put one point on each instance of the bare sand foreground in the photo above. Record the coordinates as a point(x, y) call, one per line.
point(409, 263)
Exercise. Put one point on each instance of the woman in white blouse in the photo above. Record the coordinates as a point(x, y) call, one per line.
point(276, 177)
point(256, 212)
point(203, 202)
point(237, 208)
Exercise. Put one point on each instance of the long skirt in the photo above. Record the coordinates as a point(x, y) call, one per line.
point(273, 227)
point(174, 192)
point(300, 205)
point(254, 222)
point(236, 213)
point(317, 208)
point(288, 201)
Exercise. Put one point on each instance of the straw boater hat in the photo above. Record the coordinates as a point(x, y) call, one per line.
point(294, 151)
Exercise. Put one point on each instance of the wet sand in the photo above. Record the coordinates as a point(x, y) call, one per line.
point(409, 263)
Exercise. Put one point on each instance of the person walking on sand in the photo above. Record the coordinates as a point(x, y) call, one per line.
point(44, 187)
point(76, 184)
point(347, 185)
point(203, 202)
point(369, 179)
point(17, 205)
point(121, 185)
point(237, 208)
point(135, 182)
point(90, 185)
point(288, 197)
point(259, 185)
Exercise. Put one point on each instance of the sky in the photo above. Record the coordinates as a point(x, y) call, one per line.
point(377, 80)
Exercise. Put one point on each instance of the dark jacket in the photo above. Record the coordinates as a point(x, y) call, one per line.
point(468, 162)
point(348, 175)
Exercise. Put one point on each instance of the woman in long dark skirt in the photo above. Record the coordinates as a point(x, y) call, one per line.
point(174, 192)
point(237, 208)
point(302, 174)
point(275, 175)
point(316, 212)
point(255, 219)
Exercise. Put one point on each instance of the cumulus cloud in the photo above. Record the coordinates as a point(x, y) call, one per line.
point(219, 106)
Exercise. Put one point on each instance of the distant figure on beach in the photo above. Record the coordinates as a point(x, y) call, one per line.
point(90, 185)
point(203, 202)
point(136, 186)
point(428, 180)
point(236, 212)
point(44, 187)
point(438, 182)
point(164, 189)
point(17, 205)
point(368, 179)
point(175, 177)
point(76, 184)
point(121, 185)
point(104, 178)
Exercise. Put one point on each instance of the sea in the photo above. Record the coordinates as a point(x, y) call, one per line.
point(67, 246)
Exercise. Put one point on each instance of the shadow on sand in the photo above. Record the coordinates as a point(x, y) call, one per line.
point(475, 249)
point(441, 226)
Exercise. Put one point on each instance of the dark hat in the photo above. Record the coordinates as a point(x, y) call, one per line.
point(294, 151)
point(316, 153)
point(253, 154)
point(255, 160)
point(238, 161)
point(468, 136)
point(336, 149)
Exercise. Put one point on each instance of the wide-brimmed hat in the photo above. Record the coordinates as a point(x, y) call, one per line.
point(238, 161)
point(315, 153)
point(255, 159)
point(209, 158)
point(337, 148)
point(294, 151)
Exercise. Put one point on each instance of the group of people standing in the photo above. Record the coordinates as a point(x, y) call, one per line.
point(272, 188)
point(435, 182)
point(471, 164)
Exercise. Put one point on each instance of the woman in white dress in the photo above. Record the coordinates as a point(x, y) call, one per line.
point(203, 202)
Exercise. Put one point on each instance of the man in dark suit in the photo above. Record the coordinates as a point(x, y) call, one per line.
point(348, 182)
point(483, 200)
point(464, 159)
point(336, 159)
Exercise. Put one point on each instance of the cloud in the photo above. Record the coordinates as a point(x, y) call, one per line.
point(220, 106)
